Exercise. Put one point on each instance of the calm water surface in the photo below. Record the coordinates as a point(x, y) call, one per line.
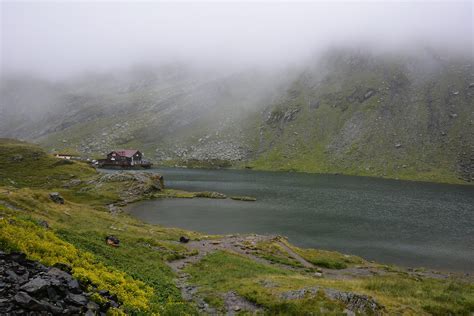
point(406, 223)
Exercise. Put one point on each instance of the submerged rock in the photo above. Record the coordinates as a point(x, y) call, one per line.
point(244, 198)
point(210, 195)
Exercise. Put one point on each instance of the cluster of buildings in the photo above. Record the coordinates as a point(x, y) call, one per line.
point(120, 159)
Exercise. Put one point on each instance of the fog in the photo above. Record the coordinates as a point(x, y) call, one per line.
point(57, 39)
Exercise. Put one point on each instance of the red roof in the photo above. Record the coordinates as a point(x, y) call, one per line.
point(126, 152)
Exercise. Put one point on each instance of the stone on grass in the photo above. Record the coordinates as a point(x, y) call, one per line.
point(56, 198)
point(183, 239)
point(112, 241)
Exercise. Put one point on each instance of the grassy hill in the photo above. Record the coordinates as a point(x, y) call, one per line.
point(151, 273)
point(26, 165)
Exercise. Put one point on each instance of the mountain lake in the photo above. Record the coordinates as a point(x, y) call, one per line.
point(412, 224)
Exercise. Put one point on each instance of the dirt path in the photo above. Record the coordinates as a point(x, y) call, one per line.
point(296, 256)
point(245, 245)
point(233, 303)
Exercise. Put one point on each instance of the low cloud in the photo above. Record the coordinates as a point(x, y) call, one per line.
point(58, 39)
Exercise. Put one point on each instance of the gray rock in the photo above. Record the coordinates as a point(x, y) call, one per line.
point(78, 299)
point(17, 158)
point(112, 241)
point(313, 105)
point(74, 286)
point(43, 224)
point(58, 273)
point(35, 285)
point(368, 94)
point(22, 298)
point(56, 198)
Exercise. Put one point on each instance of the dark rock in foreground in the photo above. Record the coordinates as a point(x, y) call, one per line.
point(28, 287)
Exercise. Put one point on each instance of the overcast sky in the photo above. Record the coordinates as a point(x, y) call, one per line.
point(61, 38)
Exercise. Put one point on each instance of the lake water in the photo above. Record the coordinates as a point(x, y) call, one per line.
point(407, 223)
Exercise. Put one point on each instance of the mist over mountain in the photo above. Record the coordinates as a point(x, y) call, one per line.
point(57, 40)
point(382, 89)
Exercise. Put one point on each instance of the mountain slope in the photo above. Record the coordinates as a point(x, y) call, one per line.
point(381, 116)
point(406, 116)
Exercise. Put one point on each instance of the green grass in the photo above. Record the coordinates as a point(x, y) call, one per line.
point(221, 272)
point(399, 293)
point(23, 164)
point(327, 259)
point(273, 252)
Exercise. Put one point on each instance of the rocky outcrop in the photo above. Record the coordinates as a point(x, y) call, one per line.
point(280, 116)
point(29, 287)
point(353, 302)
point(207, 151)
point(138, 184)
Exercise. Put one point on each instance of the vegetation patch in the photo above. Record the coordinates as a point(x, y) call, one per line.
point(23, 164)
point(274, 252)
point(43, 245)
point(327, 259)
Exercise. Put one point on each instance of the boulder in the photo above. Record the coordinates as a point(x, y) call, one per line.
point(35, 285)
point(112, 241)
point(77, 299)
point(314, 104)
point(56, 198)
point(44, 224)
point(368, 94)
point(183, 239)
point(17, 158)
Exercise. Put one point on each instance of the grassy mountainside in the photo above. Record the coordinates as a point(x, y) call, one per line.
point(151, 273)
point(406, 116)
point(383, 116)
